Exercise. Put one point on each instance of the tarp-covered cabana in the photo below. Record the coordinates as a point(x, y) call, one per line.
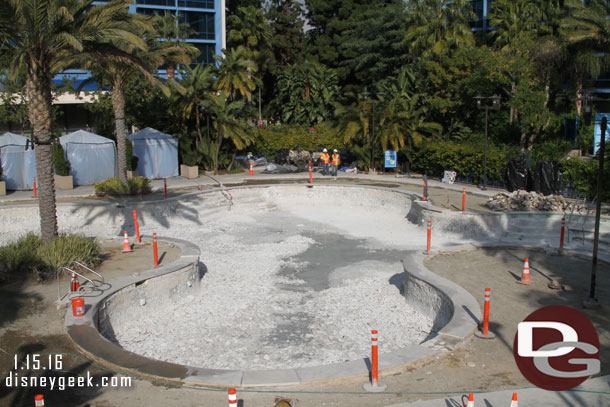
point(157, 153)
point(18, 163)
point(92, 157)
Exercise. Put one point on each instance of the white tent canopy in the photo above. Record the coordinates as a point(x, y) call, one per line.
point(157, 153)
point(18, 163)
point(92, 157)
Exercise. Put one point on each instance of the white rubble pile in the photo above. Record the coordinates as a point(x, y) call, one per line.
point(530, 201)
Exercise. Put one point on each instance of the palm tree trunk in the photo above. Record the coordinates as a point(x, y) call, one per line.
point(39, 112)
point(218, 142)
point(197, 121)
point(120, 129)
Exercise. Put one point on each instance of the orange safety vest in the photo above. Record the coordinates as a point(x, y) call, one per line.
point(336, 159)
point(325, 158)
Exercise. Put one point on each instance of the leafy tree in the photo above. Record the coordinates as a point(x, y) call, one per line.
point(353, 123)
point(44, 37)
point(286, 19)
point(234, 5)
point(306, 93)
point(375, 46)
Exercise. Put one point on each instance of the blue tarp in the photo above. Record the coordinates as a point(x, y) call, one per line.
point(157, 153)
point(92, 157)
point(18, 164)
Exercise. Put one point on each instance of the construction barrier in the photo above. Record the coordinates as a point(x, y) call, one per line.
point(464, 200)
point(563, 231)
point(38, 400)
point(34, 187)
point(135, 221)
point(232, 398)
point(525, 276)
point(155, 252)
point(74, 283)
point(126, 245)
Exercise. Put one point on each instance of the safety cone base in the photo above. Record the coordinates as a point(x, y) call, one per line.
point(381, 386)
point(526, 282)
point(490, 335)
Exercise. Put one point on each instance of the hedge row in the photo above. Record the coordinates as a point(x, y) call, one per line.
point(270, 140)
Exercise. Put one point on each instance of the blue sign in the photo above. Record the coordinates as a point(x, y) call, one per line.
point(390, 159)
point(597, 132)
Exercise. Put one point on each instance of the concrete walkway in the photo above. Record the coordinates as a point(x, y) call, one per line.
point(178, 182)
point(592, 393)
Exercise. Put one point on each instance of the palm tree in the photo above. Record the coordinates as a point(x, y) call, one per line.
point(172, 30)
point(353, 123)
point(438, 25)
point(228, 126)
point(198, 83)
point(43, 37)
point(235, 74)
point(118, 72)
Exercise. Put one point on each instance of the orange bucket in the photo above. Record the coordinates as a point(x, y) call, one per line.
point(78, 307)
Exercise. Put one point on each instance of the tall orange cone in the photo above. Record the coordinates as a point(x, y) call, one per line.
point(470, 400)
point(39, 400)
point(126, 245)
point(251, 168)
point(514, 403)
point(525, 276)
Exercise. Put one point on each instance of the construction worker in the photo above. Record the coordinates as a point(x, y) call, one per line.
point(325, 160)
point(336, 160)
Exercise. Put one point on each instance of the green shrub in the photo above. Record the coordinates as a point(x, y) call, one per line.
point(28, 254)
point(66, 248)
point(582, 176)
point(61, 165)
point(112, 186)
point(236, 170)
point(132, 160)
point(270, 140)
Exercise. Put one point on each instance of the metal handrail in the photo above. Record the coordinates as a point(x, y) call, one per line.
point(59, 270)
point(86, 268)
point(224, 191)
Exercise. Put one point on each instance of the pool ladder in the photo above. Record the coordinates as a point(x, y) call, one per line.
point(93, 283)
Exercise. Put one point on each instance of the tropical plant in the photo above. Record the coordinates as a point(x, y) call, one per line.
point(225, 119)
point(171, 29)
point(60, 163)
point(43, 37)
point(353, 124)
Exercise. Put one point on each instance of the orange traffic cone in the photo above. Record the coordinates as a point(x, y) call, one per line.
point(470, 400)
point(74, 284)
point(39, 400)
point(126, 246)
point(525, 276)
point(251, 168)
point(514, 403)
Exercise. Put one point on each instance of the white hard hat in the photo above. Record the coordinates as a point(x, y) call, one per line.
point(324, 151)
point(335, 150)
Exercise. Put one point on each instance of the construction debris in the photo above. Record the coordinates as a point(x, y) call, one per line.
point(532, 201)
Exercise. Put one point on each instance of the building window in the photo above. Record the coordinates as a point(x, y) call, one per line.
point(202, 23)
point(206, 53)
point(196, 3)
point(170, 3)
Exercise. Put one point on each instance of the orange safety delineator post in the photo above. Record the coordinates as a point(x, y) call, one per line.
point(232, 398)
point(34, 187)
point(38, 400)
point(470, 400)
point(425, 189)
point(135, 221)
point(374, 385)
point(525, 276)
point(429, 236)
point(514, 402)
point(165, 186)
point(310, 173)
point(74, 284)
point(563, 231)
point(486, 334)
point(126, 245)
point(251, 168)
point(464, 200)
point(155, 252)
